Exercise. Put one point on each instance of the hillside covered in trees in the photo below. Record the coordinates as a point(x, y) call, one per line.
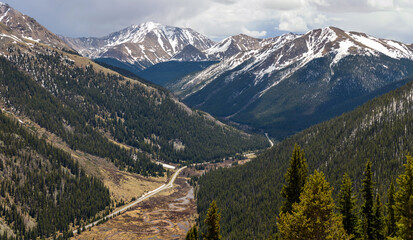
point(249, 195)
point(79, 103)
point(308, 210)
point(42, 189)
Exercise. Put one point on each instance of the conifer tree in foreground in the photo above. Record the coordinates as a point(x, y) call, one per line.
point(212, 223)
point(367, 216)
point(192, 233)
point(391, 227)
point(295, 179)
point(347, 205)
point(313, 217)
point(404, 201)
point(378, 220)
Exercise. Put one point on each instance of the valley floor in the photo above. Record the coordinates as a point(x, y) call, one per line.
point(167, 215)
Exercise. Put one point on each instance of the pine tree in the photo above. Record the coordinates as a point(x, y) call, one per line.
point(378, 220)
point(192, 233)
point(367, 207)
point(295, 179)
point(391, 227)
point(313, 217)
point(212, 222)
point(347, 205)
point(404, 201)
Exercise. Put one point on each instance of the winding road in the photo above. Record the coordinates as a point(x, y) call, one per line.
point(142, 198)
point(271, 143)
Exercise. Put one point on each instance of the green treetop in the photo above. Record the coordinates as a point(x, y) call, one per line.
point(212, 222)
point(347, 205)
point(192, 233)
point(404, 201)
point(391, 227)
point(367, 207)
point(295, 179)
point(378, 220)
point(313, 217)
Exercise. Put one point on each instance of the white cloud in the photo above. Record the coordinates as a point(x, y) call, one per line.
point(291, 21)
point(381, 4)
point(255, 34)
point(281, 4)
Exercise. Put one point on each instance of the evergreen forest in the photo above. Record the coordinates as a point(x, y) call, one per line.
point(42, 189)
point(250, 196)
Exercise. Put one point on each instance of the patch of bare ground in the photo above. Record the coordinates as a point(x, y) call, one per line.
point(200, 168)
point(168, 215)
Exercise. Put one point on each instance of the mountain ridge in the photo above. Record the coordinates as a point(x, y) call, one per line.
point(28, 28)
point(142, 45)
point(295, 77)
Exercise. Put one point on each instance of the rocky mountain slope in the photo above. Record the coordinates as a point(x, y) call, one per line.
point(27, 28)
point(142, 45)
point(233, 45)
point(297, 80)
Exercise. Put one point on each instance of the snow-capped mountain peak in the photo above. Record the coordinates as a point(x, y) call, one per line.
point(342, 44)
point(320, 57)
point(233, 45)
point(143, 45)
point(302, 75)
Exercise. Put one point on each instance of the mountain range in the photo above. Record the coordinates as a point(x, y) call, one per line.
point(279, 85)
point(297, 80)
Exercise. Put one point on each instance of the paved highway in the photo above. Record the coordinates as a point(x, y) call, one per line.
point(271, 143)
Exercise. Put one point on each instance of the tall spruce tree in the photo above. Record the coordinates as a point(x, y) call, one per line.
point(404, 201)
point(295, 178)
point(391, 227)
point(347, 205)
point(212, 222)
point(378, 220)
point(367, 207)
point(192, 233)
point(313, 217)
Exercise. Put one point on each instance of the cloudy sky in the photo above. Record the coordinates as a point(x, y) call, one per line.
point(221, 18)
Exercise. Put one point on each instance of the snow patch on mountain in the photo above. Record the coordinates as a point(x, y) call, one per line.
point(387, 47)
point(343, 50)
point(4, 14)
point(282, 56)
point(11, 36)
point(148, 43)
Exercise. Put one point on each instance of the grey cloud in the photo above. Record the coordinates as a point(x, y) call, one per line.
point(99, 17)
point(221, 18)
